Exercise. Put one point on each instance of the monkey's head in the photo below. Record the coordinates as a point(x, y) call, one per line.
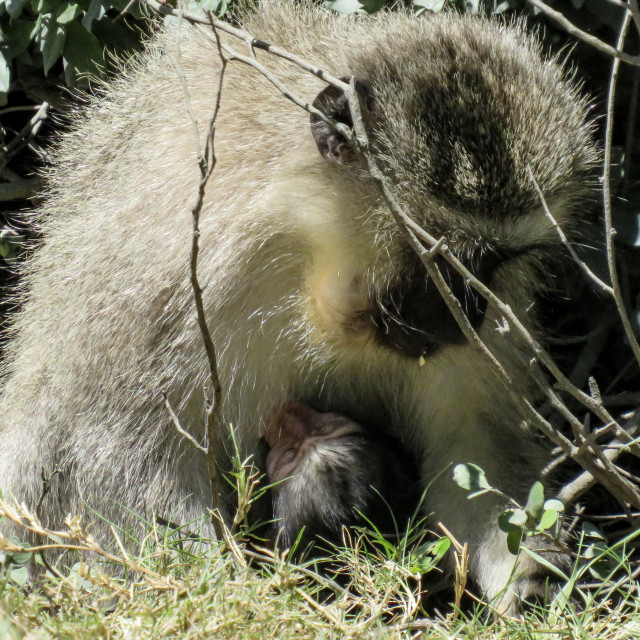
point(460, 113)
point(330, 472)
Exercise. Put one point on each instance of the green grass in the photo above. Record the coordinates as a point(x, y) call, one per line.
point(171, 586)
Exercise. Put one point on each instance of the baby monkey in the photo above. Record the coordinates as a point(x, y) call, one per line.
point(330, 472)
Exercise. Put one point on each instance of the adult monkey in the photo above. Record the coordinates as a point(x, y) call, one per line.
point(310, 289)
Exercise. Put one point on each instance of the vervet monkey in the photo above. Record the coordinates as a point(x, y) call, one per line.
point(330, 472)
point(310, 289)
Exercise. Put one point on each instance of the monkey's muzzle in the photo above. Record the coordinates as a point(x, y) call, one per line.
point(414, 319)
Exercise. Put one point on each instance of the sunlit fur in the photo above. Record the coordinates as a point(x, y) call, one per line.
point(293, 251)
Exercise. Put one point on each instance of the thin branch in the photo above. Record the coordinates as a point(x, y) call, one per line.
point(232, 55)
point(206, 163)
point(571, 29)
point(610, 232)
point(179, 428)
point(635, 12)
point(253, 43)
point(514, 322)
point(585, 453)
point(603, 286)
point(571, 491)
point(26, 134)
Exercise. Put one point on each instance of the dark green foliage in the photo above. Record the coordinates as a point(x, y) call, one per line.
point(62, 38)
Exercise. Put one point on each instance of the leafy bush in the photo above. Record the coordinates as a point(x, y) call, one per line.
point(63, 38)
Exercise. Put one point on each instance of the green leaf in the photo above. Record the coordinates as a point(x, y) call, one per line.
point(470, 477)
point(19, 575)
point(114, 35)
point(217, 7)
point(68, 13)
point(372, 6)
point(604, 561)
point(548, 519)
point(14, 7)
point(52, 39)
point(42, 7)
point(95, 11)
point(556, 505)
point(427, 556)
point(83, 53)
point(18, 38)
point(18, 557)
point(11, 244)
point(5, 74)
point(535, 501)
point(435, 6)
point(589, 530)
point(512, 520)
point(344, 6)
point(506, 5)
point(514, 539)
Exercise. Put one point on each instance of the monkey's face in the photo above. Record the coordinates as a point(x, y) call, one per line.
point(459, 125)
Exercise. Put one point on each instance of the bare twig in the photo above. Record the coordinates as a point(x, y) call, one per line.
point(571, 29)
point(635, 13)
point(610, 232)
point(254, 43)
point(206, 160)
point(603, 286)
point(180, 429)
point(234, 56)
point(26, 134)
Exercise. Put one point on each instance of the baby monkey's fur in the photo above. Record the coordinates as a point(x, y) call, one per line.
point(310, 289)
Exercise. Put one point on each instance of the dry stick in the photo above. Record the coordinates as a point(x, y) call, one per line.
point(594, 405)
point(571, 29)
point(183, 432)
point(28, 131)
point(635, 12)
point(206, 163)
point(582, 483)
point(607, 475)
point(251, 41)
point(610, 232)
point(603, 286)
point(233, 55)
point(584, 438)
point(631, 127)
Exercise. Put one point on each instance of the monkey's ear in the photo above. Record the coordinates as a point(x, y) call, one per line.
point(332, 101)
